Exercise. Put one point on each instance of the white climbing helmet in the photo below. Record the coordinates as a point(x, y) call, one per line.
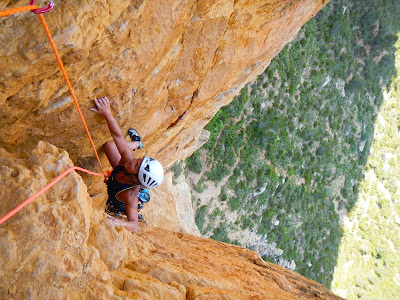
point(151, 172)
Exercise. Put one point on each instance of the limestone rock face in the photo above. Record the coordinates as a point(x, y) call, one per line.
point(60, 247)
point(171, 207)
point(184, 59)
point(167, 66)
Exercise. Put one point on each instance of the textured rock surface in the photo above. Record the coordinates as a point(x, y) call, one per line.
point(171, 207)
point(185, 59)
point(59, 247)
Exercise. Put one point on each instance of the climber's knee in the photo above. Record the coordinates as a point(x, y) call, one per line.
point(111, 151)
point(108, 144)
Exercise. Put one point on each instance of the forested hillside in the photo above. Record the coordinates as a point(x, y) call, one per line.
point(284, 164)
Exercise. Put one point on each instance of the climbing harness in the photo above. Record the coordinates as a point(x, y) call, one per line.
point(39, 11)
point(116, 206)
point(143, 197)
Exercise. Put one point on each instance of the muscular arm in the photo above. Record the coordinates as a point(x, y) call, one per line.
point(103, 107)
point(131, 225)
point(130, 198)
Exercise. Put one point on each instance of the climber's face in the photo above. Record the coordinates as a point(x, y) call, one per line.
point(133, 166)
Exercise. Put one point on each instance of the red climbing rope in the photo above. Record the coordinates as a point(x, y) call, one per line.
point(37, 194)
point(35, 9)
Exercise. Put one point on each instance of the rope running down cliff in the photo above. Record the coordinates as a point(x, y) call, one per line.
point(35, 9)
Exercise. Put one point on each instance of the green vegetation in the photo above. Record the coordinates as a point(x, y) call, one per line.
point(177, 169)
point(193, 163)
point(295, 143)
point(368, 262)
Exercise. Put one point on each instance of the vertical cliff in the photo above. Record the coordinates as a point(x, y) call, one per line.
point(184, 59)
point(168, 66)
point(59, 247)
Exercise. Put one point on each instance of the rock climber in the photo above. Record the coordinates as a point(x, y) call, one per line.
point(129, 173)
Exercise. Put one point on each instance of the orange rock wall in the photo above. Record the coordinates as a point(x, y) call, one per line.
point(59, 247)
point(184, 59)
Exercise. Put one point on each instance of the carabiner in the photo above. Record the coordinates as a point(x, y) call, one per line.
point(41, 10)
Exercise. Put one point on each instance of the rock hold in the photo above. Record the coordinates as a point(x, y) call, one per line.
point(185, 60)
point(60, 246)
point(189, 56)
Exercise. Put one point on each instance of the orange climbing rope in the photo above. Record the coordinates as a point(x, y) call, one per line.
point(46, 28)
point(12, 11)
point(35, 9)
point(61, 65)
point(37, 194)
